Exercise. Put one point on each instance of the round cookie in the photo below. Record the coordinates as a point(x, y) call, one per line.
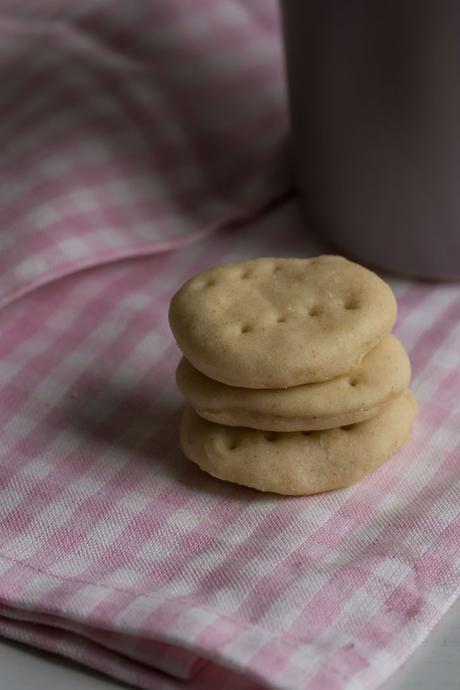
point(298, 463)
point(382, 375)
point(276, 323)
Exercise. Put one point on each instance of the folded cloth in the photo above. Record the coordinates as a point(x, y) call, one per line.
point(118, 552)
point(131, 127)
point(128, 129)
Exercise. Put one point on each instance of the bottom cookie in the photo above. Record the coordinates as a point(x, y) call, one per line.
point(298, 463)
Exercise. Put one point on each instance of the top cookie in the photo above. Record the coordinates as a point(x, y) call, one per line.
point(276, 323)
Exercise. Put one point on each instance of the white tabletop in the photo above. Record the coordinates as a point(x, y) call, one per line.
point(434, 666)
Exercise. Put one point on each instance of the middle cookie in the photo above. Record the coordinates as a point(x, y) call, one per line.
point(359, 395)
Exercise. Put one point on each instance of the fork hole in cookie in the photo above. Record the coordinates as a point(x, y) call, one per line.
point(315, 311)
point(281, 319)
point(351, 303)
point(277, 269)
point(246, 328)
point(353, 382)
point(245, 275)
point(233, 445)
point(271, 436)
point(211, 282)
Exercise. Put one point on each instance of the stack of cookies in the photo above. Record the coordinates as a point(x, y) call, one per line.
point(294, 382)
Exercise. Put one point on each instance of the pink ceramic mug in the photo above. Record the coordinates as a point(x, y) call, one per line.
point(374, 91)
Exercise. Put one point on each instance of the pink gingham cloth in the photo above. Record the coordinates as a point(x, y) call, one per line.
point(129, 129)
point(132, 127)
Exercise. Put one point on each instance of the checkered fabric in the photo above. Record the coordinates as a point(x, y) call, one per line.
point(114, 550)
point(132, 127)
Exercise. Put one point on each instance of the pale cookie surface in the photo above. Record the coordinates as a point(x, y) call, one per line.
point(275, 323)
point(298, 463)
point(382, 375)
